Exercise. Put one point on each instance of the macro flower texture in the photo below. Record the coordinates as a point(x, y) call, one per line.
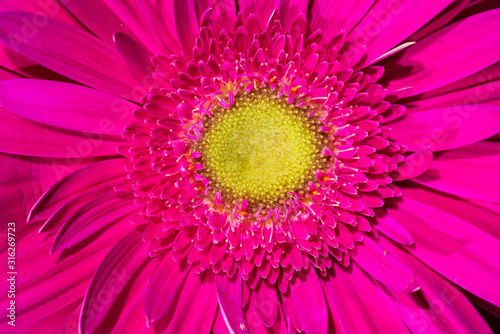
point(250, 166)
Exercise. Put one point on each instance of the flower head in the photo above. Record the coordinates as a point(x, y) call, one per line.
point(275, 165)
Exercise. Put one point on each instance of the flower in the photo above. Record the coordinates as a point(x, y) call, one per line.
point(250, 166)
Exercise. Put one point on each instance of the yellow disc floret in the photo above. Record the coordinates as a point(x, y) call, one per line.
point(261, 148)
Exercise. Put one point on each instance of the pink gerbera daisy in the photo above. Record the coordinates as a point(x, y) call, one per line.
point(250, 166)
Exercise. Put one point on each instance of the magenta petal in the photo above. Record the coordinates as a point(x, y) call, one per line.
point(95, 215)
point(33, 139)
point(386, 24)
point(440, 20)
point(164, 284)
point(414, 165)
point(77, 183)
point(137, 57)
point(289, 10)
point(483, 215)
point(392, 228)
point(130, 14)
point(231, 306)
point(51, 8)
point(18, 175)
point(111, 277)
point(261, 8)
point(160, 16)
point(66, 106)
point(333, 16)
point(442, 307)
point(266, 302)
point(104, 25)
point(420, 68)
point(360, 303)
point(383, 266)
point(309, 302)
point(470, 171)
point(70, 52)
point(186, 25)
point(456, 249)
point(446, 128)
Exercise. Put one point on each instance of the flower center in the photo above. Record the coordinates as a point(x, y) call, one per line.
point(261, 148)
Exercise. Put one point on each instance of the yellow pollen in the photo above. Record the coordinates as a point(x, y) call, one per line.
point(260, 149)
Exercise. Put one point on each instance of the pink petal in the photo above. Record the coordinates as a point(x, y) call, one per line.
point(261, 8)
point(92, 217)
point(421, 68)
point(309, 302)
point(51, 282)
point(130, 14)
point(470, 171)
point(160, 16)
point(333, 16)
point(70, 52)
point(104, 25)
point(77, 183)
point(28, 138)
point(392, 228)
point(164, 284)
point(360, 304)
point(201, 322)
point(186, 25)
point(456, 249)
point(23, 180)
point(414, 165)
point(229, 295)
point(386, 24)
point(111, 276)
point(266, 302)
point(289, 10)
point(66, 106)
point(480, 214)
point(446, 128)
point(383, 266)
point(137, 57)
point(50, 8)
point(440, 20)
point(442, 307)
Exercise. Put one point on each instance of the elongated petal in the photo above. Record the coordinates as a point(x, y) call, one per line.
point(360, 304)
point(97, 214)
point(186, 25)
point(160, 16)
point(309, 301)
point(77, 183)
point(33, 139)
point(421, 68)
point(111, 277)
point(229, 296)
point(164, 284)
point(470, 171)
point(386, 24)
point(456, 249)
point(70, 52)
point(384, 267)
point(201, 322)
point(333, 16)
point(261, 8)
point(66, 106)
point(483, 215)
point(447, 128)
point(104, 25)
point(414, 165)
point(392, 228)
point(144, 33)
point(442, 307)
